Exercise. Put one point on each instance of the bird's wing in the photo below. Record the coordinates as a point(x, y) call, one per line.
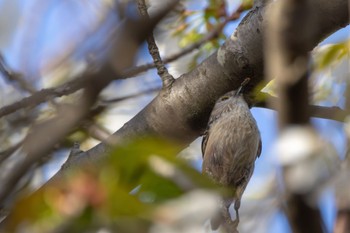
point(204, 141)
point(211, 121)
point(258, 153)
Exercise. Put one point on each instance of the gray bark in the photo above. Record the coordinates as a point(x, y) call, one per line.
point(181, 112)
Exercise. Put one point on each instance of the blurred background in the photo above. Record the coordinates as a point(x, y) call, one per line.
point(50, 42)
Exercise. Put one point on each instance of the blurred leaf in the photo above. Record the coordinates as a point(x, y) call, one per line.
point(79, 135)
point(259, 92)
point(190, 37)
point(155, 188)
point(180, 29)
point(29, 211)
point(214, 11)
point(247, 4)
point(270, 88)
point(133, 180)
point(330, 54)
point(209, 13)
point(133, 163)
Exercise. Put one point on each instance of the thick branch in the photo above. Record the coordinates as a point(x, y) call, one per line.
point(183, 113)
point(72, 86)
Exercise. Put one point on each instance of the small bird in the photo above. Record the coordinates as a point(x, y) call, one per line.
point(230, 147)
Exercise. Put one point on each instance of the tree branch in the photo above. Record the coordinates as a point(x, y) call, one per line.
point(12, 76)
point(330, 113)
point(74, 85)
point(290, 28)
point(193, 95)
point(115, 100)
point(167, 79)
point(79, 83)
point(134, 32)
point(182, 114)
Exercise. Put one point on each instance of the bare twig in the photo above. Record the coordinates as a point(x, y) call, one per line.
point(44, 95)
point(6, 153)
point(331, 113)
point(33, 146)
point(134, 32)
point(13, 76)
point(115, 100)
point(211, 35)
point(95, 130)
point(188, 126)
point(163, 72)
point(78, 83)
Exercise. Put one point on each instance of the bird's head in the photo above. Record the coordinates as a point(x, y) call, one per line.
point(235, 94)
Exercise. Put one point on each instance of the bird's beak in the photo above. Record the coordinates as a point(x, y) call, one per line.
point(239, 90)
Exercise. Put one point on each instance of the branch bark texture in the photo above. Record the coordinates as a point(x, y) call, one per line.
point(183, 112)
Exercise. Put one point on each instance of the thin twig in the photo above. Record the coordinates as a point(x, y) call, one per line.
point(330, 113)
point(37, 143)
point(44, 95)
point(78, 83)
point(6, 153)
point(96, 130)
point(211, 35)
point(166, 77)
point(114, 100)
point(13, 76)
point(17, 77)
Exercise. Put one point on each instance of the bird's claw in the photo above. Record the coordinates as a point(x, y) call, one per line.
point(229, 225)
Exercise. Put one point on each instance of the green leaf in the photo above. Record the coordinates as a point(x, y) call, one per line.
point(331, 54)
point(100, 194)
point(190, 37)
point(247, 4)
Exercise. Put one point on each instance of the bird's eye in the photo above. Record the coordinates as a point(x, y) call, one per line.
point(224, 98)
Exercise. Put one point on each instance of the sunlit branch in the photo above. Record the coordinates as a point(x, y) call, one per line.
point(166, 77)
point(74, 85)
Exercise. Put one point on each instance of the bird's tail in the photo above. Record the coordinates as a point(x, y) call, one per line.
point(223, 217)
